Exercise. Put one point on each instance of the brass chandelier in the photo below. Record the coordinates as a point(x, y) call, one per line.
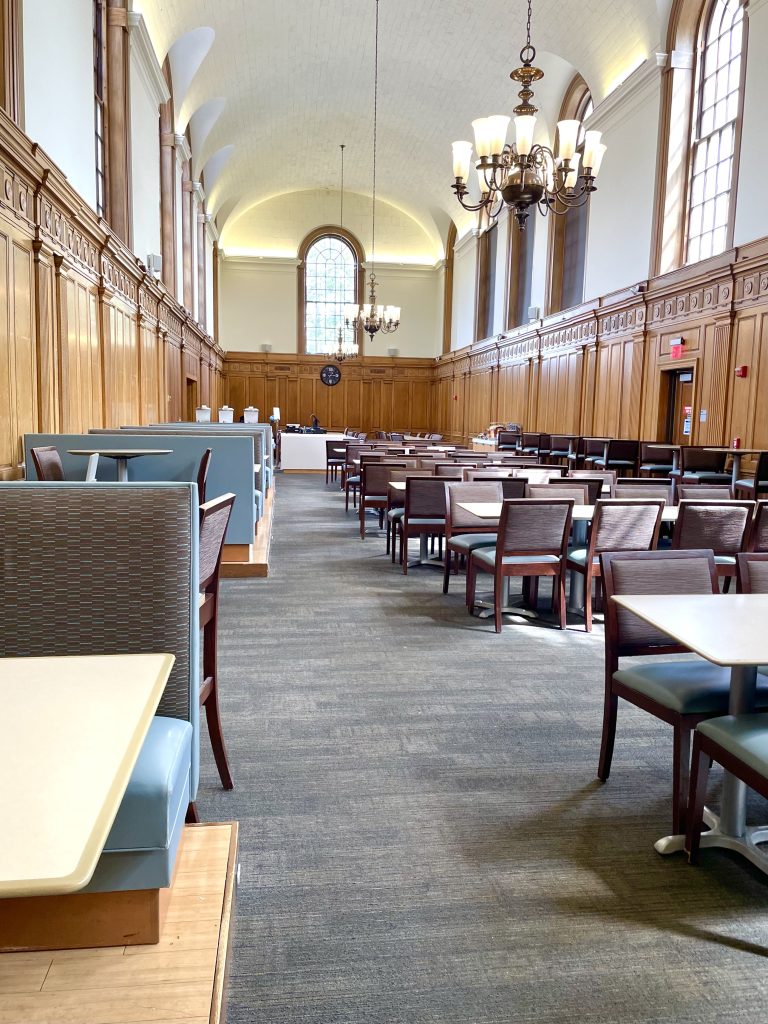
point(373, 318)
point(343, 349)
point(525, 174)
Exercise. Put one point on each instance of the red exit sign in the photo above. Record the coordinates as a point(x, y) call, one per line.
point(676, 346)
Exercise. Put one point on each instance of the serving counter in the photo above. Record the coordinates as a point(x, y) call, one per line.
point(304, 453)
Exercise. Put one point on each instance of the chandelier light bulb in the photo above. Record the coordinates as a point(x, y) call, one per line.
point(597, 158)
point(568, 137)
point(497, 127)
point(462, 158)
point(591, 142)
point(484, 186)
point(573, 173)
point(524, 128)
point(482, 136)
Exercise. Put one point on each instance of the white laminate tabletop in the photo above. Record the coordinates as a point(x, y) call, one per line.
point(120, 453)
point(581, 513)
point(734, 451)
point(70, 734)
point(660, 445)
point(397, 485)
point(726, 629)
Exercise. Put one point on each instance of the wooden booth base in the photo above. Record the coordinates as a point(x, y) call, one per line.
point(243, 560)
point(180, 977)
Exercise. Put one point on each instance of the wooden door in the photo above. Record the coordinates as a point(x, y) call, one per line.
point(681, 407)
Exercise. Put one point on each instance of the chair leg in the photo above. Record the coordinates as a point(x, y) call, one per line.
point(497, 589)
point(697, 794)
point(681, 760)
point(588, 601)
point(727, 584)
point(610, 710)
point(212, 712)
point(389, 527)
point(559, 583)
point(192, 817)
point(346, 499)
point(447, 570)
point(404, 551)
point(470, 584)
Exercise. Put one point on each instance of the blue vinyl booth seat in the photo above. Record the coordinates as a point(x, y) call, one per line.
point(113, 569)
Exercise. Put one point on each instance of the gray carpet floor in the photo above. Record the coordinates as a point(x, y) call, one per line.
point(423, 840)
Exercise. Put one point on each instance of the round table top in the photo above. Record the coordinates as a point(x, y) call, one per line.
point(120, 453)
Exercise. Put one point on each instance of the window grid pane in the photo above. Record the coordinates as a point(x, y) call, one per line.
point(330, 281)
point(714, 136)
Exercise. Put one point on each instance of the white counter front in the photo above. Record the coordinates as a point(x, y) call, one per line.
point(304, 451)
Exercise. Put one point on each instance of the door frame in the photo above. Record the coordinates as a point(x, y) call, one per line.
point(663, 392)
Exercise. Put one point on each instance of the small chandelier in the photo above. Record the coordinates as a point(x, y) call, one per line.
point(373, 318)
point(527, 174)
point(343, 349)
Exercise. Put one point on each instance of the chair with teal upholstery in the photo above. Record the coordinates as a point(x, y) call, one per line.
point(681, 693)
point(532, 542)
point(424, 511)
point(740, 744)
point(464, 531)
point(623, 456)
point(655, 460)
point(753, 487)
point(752, 578)
point(113, 569)
point(722, 526)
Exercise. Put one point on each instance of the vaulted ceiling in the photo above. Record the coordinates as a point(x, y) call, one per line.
point(270, 88)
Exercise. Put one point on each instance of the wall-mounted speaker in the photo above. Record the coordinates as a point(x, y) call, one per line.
point(266, 348)
point(533, 313)
point(392, 352)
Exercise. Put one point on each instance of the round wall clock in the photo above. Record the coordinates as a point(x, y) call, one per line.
point(330, 375)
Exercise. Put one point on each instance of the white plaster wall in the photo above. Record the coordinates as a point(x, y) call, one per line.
point(257, 305)
point(209, 272)
point(621, 210)
point(464, 271)
point(416, 290)
point(752, 201)
point(145, 165)
point(540, 262)
point(179, 243)
point(502, 243)
point(58, 87)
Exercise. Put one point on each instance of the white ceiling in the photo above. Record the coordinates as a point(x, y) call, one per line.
point(296, 79)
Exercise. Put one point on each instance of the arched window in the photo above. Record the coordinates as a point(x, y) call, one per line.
point(329, 276)
point(714, 130)
point(568, 237)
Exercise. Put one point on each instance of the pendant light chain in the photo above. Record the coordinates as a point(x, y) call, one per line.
point(341, 211)
point(375, 132)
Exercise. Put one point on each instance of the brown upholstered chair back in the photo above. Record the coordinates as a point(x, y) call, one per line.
point(758, 539)
point(457, 518)
point(593, 446)
point(705, 492)
point(529, 526)
point(697, 458)
point(202, 474)
point(565, 489)
point(444, 468)
point(650, 572)
point(425, 497)
point(752, 572)
point(214, 520)
point(538, 475)
point(47, 462)
point(375, 478)
point(625, 525)
point(608, 476)
point(719, 525)
point(657, 456)
point(507, 437)
point(660, 490)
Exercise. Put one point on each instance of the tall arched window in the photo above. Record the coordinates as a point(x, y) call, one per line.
point(568, 237)
point(715, 130)
point(329, 276)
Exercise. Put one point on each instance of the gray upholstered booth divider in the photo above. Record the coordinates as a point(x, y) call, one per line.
point(231, 466)
point(113, 569)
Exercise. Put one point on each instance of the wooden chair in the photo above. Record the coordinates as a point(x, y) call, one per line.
point(559, 447)
point(720, 525)
point(214, 519)
point(740, 744)
point(374, 480)
point(396, 503)
point(202, 475)
point(753, 487)
point(464, 531)
point(622, 456)
point(681, 693)
point(635, 490)
point(608, 477)
point(424, 511)
point(705, 492)
point(532, 542)
point(334, 462)
point(578, 493)
point(758, 535)
point(539, 474)
point(696, 463)
point(594, 448)
point(617, 525)
point(752, 572)
point(530, 443)
point(654, 460)
point(593, 482)
point(47, 462)
point(576, 456)
point(507, 440)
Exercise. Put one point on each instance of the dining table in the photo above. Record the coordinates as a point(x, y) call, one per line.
point(120, 455)
point(674, 448)
point(726, 630)
point(70, 734)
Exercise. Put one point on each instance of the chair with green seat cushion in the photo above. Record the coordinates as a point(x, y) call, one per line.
point(374, 482)
point(753, 487)
point(424, 511)
point(655, 460)
point(622, 456)
point(617, 525)
point(740, 744)
point(464, 531)
point(396, 504)
point(719, 525)
point(696, 463)
point(559, 448)
point(532, 542)
point(681, 693)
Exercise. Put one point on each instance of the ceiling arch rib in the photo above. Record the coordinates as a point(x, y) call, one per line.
point(211, 173)
point(186, 56)
point(201, 124)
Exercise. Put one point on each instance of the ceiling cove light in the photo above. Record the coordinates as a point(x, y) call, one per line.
point(525, 174)
point(374, 318)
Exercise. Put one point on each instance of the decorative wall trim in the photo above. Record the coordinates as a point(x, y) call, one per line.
point(146, 60)
point(620, 105)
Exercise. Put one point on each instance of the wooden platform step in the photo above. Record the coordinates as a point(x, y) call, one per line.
point(243, 560)
point(180, 978)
